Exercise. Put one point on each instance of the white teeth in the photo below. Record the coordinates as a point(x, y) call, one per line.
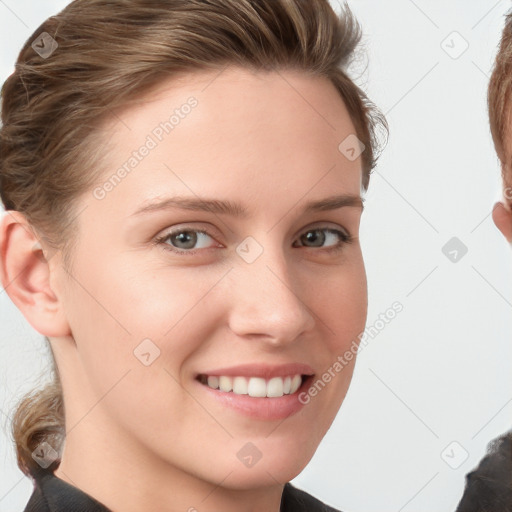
point(225, 383)
point(256, 387)
point(275, 387)
point(240, 385)
point(287, 385)
point(296, 381)
point(213, 382)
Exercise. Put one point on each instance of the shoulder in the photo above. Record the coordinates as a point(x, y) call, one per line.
point(296, 500)
point(489, 486)
point(52, 494)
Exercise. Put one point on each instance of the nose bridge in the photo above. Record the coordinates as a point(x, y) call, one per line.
point(267, 298)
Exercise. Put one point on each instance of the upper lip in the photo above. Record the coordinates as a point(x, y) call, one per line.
point(264, 371)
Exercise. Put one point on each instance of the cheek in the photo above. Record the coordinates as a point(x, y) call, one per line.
point(134, 333)
point(139, 301)
point(117, 313)
point(343, 304)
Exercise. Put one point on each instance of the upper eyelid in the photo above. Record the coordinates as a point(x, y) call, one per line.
point(321, 226)
point(317, 225)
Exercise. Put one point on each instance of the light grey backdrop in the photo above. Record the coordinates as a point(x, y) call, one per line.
point(433, 386)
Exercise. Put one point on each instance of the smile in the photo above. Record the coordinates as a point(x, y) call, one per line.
point(261, 391)
point(256, 387)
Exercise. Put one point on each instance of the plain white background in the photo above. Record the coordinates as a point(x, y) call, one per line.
point(434, 386)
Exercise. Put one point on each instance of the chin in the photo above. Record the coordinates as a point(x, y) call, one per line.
point(243, 479)
point(278, 463)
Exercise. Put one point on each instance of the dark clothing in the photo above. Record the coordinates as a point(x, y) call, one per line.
point(489, 486)
point(295, 500)
point(52, 494)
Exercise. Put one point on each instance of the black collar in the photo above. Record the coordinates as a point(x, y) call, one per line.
point(52, 494)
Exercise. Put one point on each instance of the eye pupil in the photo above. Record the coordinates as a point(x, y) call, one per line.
point(312, 236)
point(187, 237)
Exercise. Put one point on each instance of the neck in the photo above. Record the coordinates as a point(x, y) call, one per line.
point(134, 483)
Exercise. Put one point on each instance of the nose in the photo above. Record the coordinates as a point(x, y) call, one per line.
point(269, 303)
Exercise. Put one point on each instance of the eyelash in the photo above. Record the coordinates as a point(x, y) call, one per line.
point(345, 238)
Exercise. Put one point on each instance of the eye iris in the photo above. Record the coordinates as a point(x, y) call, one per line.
point(311, 236)
point(187, 237)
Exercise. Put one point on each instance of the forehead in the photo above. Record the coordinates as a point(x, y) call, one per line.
point(239, 98)
point(225, 130)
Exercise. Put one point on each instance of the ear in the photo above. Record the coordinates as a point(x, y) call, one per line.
point(502, 217)
point(25, 276)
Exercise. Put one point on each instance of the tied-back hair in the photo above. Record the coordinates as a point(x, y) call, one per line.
point(108, 54)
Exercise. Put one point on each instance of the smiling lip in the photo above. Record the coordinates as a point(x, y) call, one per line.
point(265, 408)
point(261, 370)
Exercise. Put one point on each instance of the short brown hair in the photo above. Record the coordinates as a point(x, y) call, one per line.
point(109, 53)
point(499, 100)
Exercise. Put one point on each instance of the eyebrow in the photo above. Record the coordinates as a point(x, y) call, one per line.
point(237, 210)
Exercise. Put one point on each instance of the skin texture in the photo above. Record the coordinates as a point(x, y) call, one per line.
point(502, 217)
point(152, 437)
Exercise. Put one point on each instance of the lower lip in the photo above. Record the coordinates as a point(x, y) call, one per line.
point(268, 409)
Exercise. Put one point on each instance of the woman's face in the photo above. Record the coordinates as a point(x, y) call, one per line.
point(165, 303)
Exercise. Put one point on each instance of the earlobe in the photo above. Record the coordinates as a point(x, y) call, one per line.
point(502, 217)
point(25, 276)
